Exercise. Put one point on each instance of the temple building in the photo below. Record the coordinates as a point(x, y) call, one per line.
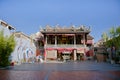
point(70, 43)
point(51, 43)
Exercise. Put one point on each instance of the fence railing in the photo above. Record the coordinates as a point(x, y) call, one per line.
point(64, 46)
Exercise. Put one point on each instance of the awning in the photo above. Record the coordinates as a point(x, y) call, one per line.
point(60, 50)
point(65, 50)
point(80, 50)
point(88, 41)
point(50, 48)
point(69, 34)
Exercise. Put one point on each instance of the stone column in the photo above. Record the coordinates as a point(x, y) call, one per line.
point(55, 40)
point(45, 52)
point(74, 41)
point(84, 39)
point(75, 57)
point(75, 47)
point(45, 40)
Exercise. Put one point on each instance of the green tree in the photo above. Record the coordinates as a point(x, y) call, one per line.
point(118, 36)
point(118, 31)
point(7, 45)
point(112, 32)
point(114, 35)
point(105, 37)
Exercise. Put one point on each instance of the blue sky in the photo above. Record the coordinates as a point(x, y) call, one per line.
point(28, 15)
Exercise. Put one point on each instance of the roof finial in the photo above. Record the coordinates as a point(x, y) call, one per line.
point(41, 29)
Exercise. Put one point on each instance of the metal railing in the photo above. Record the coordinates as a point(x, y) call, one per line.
point(64, 46)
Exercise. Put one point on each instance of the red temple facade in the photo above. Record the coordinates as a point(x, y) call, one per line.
point(65, 43)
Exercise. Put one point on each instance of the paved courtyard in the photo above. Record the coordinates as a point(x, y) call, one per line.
point(86, 70)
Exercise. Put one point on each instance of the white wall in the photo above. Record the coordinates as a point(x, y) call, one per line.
point(5, 30)
point(22, 46)
point(21, 50)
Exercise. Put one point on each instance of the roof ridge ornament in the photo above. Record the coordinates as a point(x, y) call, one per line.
point(41, 29)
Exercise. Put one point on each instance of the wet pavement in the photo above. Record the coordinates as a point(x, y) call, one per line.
point(86, 70)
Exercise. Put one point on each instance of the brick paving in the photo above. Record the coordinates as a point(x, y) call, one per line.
point(62, 71)
point(22, 75)
point(84, 75)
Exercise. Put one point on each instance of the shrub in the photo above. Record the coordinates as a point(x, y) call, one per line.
point(7, 45)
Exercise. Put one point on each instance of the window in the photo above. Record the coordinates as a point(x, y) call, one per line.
point(51, 39)
point(78, 39)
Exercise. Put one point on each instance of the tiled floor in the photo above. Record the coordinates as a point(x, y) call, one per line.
point(59, 75)
point(62, 71)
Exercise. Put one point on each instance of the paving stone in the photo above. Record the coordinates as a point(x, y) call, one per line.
point(62, 71)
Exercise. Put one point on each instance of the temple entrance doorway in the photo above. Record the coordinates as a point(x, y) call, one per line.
point(66, 56)
point(80, 56)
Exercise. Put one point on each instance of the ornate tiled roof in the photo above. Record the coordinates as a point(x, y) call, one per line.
point(71, 29)
point(21, 34)
point(89, 37)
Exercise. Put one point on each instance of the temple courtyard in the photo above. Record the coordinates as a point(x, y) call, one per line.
point(82, 70)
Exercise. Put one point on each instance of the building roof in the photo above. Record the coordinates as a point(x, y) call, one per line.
point(99, 43)
point(71, 29)
point(89, 37)
point(4, 24)
point(19, 33)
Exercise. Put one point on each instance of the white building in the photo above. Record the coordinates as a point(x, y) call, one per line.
point(7, 29)
point(24, 49)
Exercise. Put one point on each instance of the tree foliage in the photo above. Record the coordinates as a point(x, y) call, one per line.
point(118, 31)
point(105, 36)
point(7, 45)
point(112, 32)
point(114, 37)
